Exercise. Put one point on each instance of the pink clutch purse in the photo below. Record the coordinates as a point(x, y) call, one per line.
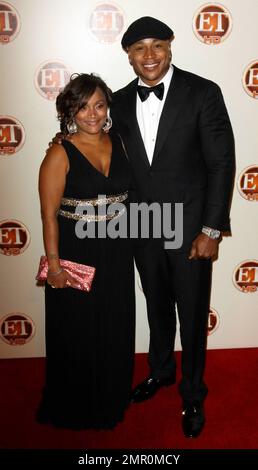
point(82, 274)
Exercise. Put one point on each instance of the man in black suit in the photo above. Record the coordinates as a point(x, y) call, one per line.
point(180, 143)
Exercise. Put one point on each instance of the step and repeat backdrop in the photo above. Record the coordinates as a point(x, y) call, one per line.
point(41, 44)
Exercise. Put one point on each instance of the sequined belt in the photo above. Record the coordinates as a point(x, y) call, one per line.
point(103, 201)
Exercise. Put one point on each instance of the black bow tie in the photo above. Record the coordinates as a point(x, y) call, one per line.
point(144, 91)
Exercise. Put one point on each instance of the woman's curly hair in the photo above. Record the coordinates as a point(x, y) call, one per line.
point(75, 94)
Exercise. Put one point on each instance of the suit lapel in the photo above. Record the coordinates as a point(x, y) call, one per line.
point(176, 97)
point(135, 138)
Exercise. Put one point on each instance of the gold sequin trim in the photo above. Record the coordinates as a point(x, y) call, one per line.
point(89, 217)
point(94, 202)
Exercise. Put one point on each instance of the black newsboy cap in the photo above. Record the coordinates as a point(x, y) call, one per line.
point(145, 27)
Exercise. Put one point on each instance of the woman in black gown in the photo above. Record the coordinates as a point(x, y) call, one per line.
point(89, 335)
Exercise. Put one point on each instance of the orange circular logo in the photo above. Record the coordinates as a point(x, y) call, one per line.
point(16, 329)
point(50, 78)
point(212, 23)
point(245, 277)
point(12, 135)
point(106, 22)
point(213, 321)
point(14, 237)
point(250, 79)
point(248, 183)
point(9, 23)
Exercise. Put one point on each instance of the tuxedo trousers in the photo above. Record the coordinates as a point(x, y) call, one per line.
point(174, 284)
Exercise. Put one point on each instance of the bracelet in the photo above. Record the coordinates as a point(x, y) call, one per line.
point(52, 255)
point(56, 273)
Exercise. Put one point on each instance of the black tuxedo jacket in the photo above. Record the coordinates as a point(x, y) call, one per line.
point(193, 160)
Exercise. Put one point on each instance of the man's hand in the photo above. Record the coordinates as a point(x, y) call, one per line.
point(204, 247)
point(57, 139)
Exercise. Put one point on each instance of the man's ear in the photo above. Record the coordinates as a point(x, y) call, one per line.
point(127, 50)
point(169, 46)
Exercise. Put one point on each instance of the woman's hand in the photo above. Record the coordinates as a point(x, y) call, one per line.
point(59, 281)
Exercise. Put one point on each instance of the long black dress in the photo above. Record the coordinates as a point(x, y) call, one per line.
point(90, 336)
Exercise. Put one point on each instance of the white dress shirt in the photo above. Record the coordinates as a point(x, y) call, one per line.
point(148, 114)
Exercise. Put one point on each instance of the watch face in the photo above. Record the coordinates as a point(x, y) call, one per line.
point(211, 232)
point(214, 234)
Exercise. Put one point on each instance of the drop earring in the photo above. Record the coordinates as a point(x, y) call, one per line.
point(72, 127)
point(108, 123)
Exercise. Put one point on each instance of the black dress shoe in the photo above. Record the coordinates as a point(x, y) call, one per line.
point(193, 419)
point(149, 387)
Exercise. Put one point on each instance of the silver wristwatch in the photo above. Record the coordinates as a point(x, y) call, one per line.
point(211, 232)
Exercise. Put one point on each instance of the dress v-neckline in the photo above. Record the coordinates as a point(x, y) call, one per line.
point(91, 164)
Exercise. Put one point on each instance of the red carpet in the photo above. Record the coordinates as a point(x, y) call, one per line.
point(231, 410)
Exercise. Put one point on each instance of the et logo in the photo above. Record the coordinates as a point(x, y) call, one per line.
point(250, 79)
point(50, 78)
point(14, 237)
point(16, 329)
point(12, 135)
point(106, 22)
point(213, 321)
point(9, 23)
point(245, 276)
point(212, 23)
point(248, 183)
